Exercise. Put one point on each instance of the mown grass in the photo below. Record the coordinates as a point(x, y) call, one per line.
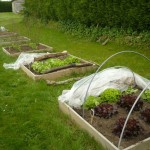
point(29, 113)
point(5, 19)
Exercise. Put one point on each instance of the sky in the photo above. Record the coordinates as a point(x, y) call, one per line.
point(5, 0)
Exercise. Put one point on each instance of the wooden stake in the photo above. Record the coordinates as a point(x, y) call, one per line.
point(62, 82)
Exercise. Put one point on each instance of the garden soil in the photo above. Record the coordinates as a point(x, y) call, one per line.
point(105, 126)
point(25, 48)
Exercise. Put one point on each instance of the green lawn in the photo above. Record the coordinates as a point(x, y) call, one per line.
point(29, 115)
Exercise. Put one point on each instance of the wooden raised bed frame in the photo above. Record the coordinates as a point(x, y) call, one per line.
point(24, 39)
point(7, 34)
point(47, 49)
point(60, 73)
point(141, 145)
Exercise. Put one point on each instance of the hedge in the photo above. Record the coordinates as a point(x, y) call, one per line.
point(5, 6)
point(133, 14)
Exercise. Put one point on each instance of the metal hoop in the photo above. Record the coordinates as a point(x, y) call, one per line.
point(103, 64)
point(126, 121)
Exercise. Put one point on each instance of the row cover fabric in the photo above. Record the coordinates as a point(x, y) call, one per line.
point(2, 29)
point(23, 59)
point(118, 78)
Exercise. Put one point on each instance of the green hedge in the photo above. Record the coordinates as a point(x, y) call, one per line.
point(5, 7)
point(125, 14)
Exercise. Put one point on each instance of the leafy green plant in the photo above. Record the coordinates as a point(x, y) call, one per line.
point(5, 6)
point(110, 95)
point(130, 90)
point(33, 45)
point(127, 101)
point(105, 110)
point(146, 95)
point(41, 66)
point(91, 102)
point(133, 127)
point(103, 13)
point(16, 47)
point(145, 114)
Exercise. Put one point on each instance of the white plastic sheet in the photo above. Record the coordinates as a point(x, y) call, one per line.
point(119, 78)
point(24, 58)
point(3, 29)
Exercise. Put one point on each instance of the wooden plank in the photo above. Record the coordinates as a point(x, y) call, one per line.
point(25, 39)
point(67, 67)
point(8, 35)
point(5, 51)
point(52, 55)
point(142, 145)
point(47, 47)
point(28, 72)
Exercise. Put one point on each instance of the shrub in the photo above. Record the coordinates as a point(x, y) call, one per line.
point(120, 14)
point(5, 6)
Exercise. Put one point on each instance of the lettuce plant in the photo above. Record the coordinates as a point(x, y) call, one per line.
point(110, 95)
point(33, 45)
point(105, 110)
point(146, 95)
point(91, 102)
point(130, 90)
point(133, 127)
point(16, 47)
point(145, 115)
point(127, 101)
point(41, 66)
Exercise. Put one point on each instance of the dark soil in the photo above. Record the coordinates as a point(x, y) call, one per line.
point(105, 126)
point(25, 48)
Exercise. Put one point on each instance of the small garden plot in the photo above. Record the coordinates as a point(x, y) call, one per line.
point(13, 39)
point(104, 117)
point(16, 49)
point(55, 65)
point(7, 34)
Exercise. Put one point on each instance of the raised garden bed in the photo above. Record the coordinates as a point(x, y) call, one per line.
point(100, 129)
point(13, 39)
point(104, 117)
point(7, 34)
point(16, 50)
point(46, 68)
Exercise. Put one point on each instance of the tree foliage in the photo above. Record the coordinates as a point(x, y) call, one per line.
point(133, 14)
point(5, 6)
